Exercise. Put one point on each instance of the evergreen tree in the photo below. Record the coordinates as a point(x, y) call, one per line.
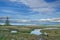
point(7, 23)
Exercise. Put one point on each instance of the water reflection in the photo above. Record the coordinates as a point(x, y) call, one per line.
point(36, 31)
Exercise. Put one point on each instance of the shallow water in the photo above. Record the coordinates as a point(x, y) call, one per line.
point(36, 32)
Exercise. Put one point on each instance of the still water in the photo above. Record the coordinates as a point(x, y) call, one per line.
point(36, 32)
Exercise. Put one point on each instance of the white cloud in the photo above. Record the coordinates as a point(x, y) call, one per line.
point(45, 10)
point(9, 11)
point(24, 24)
point(50, 20)
point(40, 5)
point(33, 3)
point(38, 20)
point(18, 14)
point(13, 0)
point(12, 12)
point(23, 20)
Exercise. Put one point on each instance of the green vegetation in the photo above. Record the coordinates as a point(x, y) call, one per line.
point(53, 34)
point(19, 36)
point(23, 33)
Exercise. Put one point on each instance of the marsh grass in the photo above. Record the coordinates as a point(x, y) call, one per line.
point(53, 34)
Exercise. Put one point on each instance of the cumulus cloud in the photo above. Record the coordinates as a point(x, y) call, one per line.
point(45, 10)
point(39, 20)
point(50, 20)
point(38, 3)
point(13, 0)
point(41, 5)
point(8, 11)
point(25, 24)
point(23, 20)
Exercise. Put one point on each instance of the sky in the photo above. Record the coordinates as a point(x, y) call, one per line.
point(31, 10)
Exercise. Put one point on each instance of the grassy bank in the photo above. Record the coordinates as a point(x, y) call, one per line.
point(53, 34)
point(23, 33)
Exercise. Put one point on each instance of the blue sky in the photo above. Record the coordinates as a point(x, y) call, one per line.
point(30, 9)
